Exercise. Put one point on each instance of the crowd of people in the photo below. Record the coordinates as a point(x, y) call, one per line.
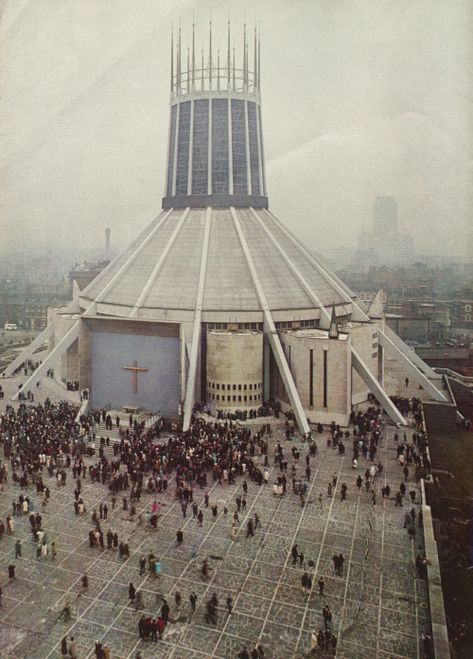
point(47, 437)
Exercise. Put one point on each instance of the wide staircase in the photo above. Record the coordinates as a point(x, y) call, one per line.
point(114, 433)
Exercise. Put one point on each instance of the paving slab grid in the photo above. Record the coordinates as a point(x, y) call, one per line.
point(379, 607)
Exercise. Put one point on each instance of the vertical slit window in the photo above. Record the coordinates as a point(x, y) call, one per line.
point(183, 147)
point(253, 138)
point(219, 145)
point(325, 378)
point(240, 185)
point(172, 145)
point(263, 191)
point(200, 147)
point(311, 377)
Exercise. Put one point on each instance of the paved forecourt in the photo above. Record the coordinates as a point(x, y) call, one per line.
point(379, 607)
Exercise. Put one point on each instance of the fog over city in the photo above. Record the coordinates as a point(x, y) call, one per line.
point(360, 98)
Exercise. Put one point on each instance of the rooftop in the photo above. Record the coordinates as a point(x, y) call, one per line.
point(147, 278)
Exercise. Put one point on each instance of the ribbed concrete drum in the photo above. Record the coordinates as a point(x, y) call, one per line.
point(234, 369)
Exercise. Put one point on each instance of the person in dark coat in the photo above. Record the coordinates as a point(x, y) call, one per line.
point(131, 591)
point(165, 612)
point(141, 626)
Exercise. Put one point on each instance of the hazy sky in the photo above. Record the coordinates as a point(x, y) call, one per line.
point(360, 97)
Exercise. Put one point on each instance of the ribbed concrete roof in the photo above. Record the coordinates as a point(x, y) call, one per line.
point(161, 268)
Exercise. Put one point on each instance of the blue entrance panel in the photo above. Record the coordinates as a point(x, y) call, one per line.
point(155, 389)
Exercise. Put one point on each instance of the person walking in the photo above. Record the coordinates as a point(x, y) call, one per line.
point(142, 565)
point(314, 642)
point(193, 601)
point(131, 592)
point(249, 528)
point(165, 611)
point(73, 648)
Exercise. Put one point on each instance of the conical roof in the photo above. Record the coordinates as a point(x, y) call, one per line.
point(159, 272)
point(216, 247)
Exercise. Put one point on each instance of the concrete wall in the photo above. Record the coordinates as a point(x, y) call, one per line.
point(364, 338)
point(69, 365)
point(85, 355)
point(234, 369)
point(297, 346)
point(109, 345)
point(434, 584)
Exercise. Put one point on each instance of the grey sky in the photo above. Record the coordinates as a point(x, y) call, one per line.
point(360, 97)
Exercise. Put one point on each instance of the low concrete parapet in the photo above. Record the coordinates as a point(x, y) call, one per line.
point(434, 584)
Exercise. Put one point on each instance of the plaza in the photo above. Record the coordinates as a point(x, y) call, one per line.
point(379, 605)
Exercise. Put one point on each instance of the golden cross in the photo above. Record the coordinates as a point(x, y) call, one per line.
point(135, 368)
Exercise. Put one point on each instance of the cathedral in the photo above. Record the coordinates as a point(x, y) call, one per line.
point(216, 300)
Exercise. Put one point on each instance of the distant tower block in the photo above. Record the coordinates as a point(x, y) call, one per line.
point(385, 216)
point(108, 233)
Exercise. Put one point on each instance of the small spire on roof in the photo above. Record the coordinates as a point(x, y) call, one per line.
point(333, 328)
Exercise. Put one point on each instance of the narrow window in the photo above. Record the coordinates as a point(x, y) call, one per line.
point(325, 378)
point(311, 377)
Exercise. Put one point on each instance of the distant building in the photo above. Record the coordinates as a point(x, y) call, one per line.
point(419, 321)
point(385, 245)
point(84, 273)
point(385, 216)
point(26, 305)
point(399, 284)
point(461, 309)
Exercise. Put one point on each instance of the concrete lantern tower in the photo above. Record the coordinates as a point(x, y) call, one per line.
point(216, 300)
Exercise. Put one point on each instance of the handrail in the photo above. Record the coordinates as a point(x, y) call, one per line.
point(466, 379)
point(84, 408)
point(150, 421)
